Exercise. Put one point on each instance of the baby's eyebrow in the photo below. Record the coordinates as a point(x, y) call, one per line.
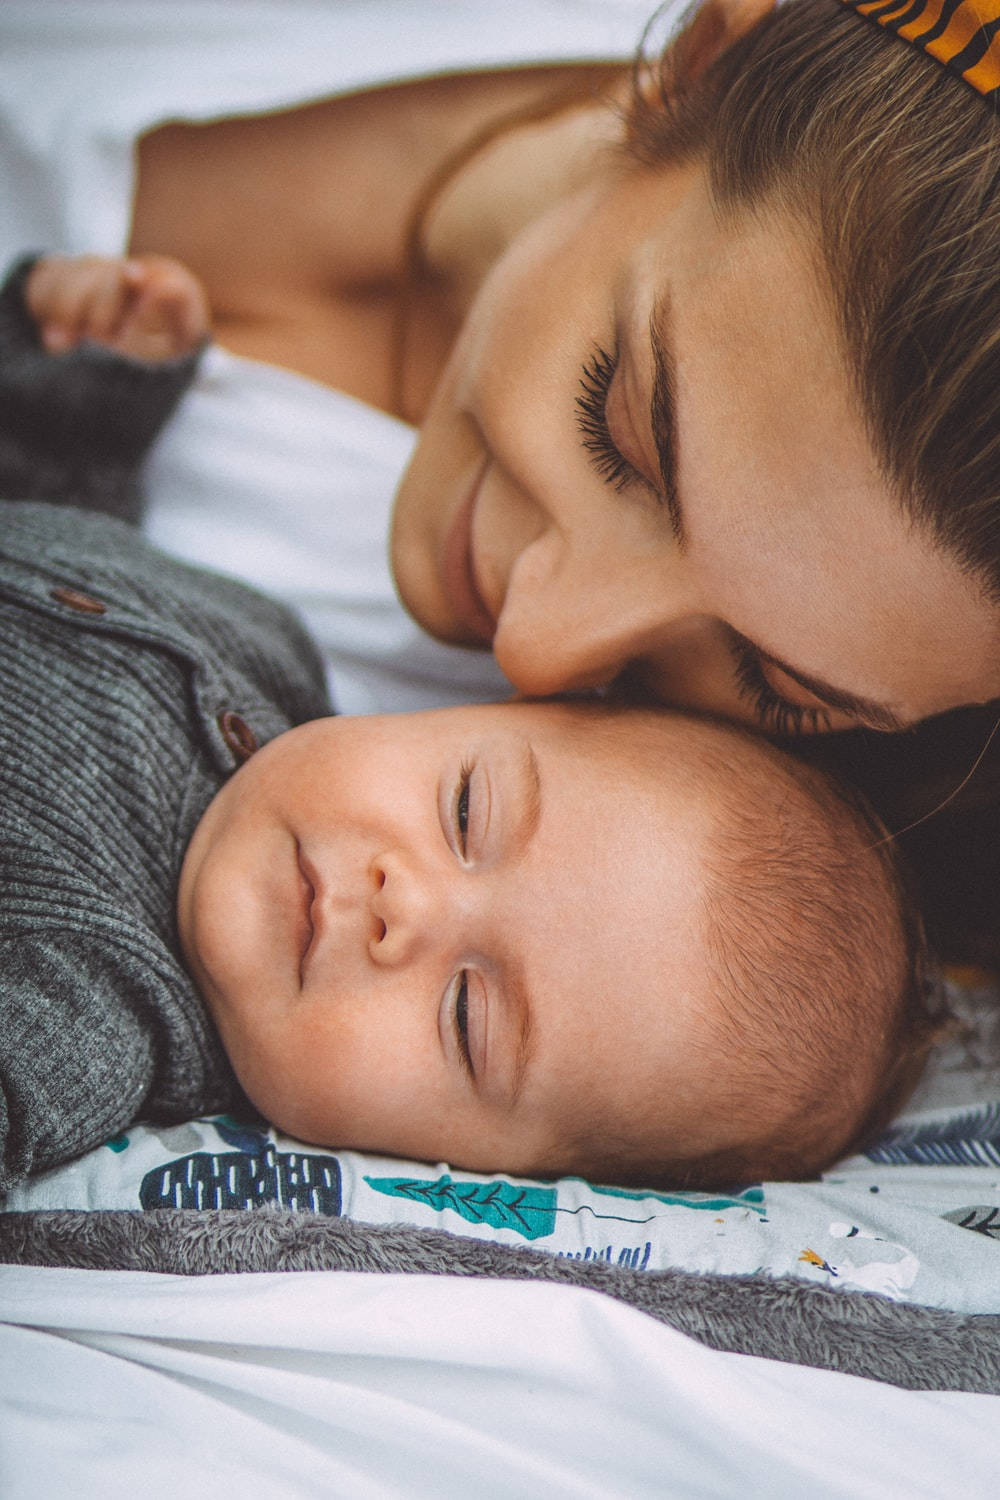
point(531, 810)
point(518, 999)
point(519, 1003)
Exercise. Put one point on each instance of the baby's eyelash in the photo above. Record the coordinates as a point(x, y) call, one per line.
point(775, 713)
point(591, 418)
point(462, 796)
point(462, 1022)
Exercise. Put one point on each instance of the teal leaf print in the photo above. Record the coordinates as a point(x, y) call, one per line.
point(751, 1197)
point(969, 1139)
point(528, 1211)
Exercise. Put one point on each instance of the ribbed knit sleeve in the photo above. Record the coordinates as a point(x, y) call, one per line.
point(121, 673)
point(95, 1035)
point(74, 427)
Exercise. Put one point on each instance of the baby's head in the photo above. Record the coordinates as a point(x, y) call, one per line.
point(550, 938)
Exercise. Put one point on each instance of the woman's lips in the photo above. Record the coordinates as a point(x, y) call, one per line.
point(458, 573)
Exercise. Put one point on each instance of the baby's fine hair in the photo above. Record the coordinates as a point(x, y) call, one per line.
point(821, 970)
point(817, 1026)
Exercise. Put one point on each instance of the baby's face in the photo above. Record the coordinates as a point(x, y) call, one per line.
point(469, 935)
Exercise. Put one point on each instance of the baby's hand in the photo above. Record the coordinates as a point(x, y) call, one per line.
point(148, 306)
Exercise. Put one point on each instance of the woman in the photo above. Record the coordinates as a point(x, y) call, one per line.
point(712, 419)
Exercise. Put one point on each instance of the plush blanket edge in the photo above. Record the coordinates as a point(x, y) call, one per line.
point(857, 1333)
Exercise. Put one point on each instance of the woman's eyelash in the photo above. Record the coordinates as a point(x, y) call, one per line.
point(462, 1022)
point(775, 713)
point(592, 420)
point(462, 805)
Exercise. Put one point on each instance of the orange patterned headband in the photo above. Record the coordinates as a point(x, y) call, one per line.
point(962, 35)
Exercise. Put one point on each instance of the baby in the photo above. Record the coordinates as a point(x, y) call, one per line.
point(541, 938)
point(548, 938)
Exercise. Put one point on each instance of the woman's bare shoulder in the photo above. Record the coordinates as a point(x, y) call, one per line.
point(296, 222)
point(324, 190)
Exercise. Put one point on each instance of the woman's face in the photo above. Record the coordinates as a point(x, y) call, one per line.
point(645, 463)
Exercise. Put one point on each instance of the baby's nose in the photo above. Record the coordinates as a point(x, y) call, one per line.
point(407, 910)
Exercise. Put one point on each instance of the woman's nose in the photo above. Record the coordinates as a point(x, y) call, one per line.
point(590, 624)
point(407, 910)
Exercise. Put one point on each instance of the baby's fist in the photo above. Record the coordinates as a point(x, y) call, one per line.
point(148, 306)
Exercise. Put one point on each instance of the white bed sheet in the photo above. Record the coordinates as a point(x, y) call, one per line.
point(353, 1385)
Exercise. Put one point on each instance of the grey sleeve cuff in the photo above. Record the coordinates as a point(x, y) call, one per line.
point(75, 427)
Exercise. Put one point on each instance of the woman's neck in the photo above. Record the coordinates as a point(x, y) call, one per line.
point(486, 192)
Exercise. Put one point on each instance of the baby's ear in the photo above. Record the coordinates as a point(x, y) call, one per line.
point(712, 28)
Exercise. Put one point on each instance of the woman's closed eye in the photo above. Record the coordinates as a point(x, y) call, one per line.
point(592, 420)
point(776, 714)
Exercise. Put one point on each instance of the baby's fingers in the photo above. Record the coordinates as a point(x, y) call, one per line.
point(83, 297)
point(169, 314)
point(113, 295)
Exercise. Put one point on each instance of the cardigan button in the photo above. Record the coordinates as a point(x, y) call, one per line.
point(237, 734)
point(73, 599)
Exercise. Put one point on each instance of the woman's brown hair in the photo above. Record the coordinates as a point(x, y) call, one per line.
point(894, 166)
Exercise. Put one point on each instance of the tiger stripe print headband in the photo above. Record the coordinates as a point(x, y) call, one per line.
point(962, 35)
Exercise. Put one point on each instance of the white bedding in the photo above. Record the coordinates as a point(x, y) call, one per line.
point(116, 1385)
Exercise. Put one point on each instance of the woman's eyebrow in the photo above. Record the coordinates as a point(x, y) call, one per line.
point(663, 419)
point(663, 411)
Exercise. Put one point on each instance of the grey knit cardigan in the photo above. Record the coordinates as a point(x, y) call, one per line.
point(131, 686)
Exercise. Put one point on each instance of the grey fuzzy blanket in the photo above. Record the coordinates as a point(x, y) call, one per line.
point(918, 1348)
